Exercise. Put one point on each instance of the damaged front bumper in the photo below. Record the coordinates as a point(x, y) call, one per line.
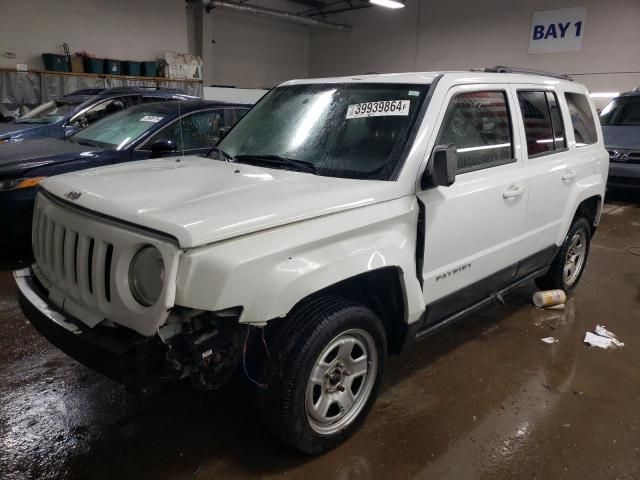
point(126, 356)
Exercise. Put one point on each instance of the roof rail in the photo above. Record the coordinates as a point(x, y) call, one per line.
point(503, 69)
point(141, 89)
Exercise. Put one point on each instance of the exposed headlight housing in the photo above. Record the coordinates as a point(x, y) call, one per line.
point(146, 275)
point(11, 140)
point(19, 183)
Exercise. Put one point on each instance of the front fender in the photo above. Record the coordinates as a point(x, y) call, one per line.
point(268, 272)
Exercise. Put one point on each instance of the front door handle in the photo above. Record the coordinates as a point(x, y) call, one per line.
point(569, 175)
point(514, 191)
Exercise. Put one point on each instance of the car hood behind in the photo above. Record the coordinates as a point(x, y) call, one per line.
point(8, 130)
point(199, 201)
point(622, 137)
point(18, 158)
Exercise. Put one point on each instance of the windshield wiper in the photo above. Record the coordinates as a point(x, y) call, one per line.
point(86, 143)
point(277, 160)
point(227, 156)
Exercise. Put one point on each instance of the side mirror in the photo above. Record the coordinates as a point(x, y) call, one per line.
point(442, 167)
point(163, 146)
point(69, 129)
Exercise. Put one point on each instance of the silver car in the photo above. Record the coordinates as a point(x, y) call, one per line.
point(620, 121)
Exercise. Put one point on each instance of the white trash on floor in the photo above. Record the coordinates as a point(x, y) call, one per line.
point(603, 338)
point(549, 340)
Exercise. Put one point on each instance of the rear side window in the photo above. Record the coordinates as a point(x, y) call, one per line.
point(479, 125)
point(543, 126)
point(584, 128)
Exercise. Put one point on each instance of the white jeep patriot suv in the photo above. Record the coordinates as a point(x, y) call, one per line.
point(340, 220)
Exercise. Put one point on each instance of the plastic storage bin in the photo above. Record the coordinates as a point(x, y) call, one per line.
point(149, 69)
point(112, 67)
point(131, 68)
point(55, 63)
point(93, 65)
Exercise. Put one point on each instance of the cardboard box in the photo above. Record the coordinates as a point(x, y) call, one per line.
point(77, 65)
point(182, 66)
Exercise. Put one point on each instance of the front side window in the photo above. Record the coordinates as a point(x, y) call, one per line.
point(202, 129)
point(584, 128)
point(622, 112)
point(479, 125)
point(196, 131)
point(239, 113)
point(345, 130)
point(120, 129)
point(542, 119)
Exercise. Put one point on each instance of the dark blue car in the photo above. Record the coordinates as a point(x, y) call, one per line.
point(146, 131)
point(65, 116)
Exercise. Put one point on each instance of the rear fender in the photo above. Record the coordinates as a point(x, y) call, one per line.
point(591, 186)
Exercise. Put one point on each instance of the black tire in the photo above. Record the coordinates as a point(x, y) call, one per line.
point(310, 330)
point(555, 277)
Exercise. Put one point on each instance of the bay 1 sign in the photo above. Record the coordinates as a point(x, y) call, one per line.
point(558, 30)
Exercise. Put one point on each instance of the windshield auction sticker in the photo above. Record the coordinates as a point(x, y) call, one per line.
point(382, 108)
point(151, 118)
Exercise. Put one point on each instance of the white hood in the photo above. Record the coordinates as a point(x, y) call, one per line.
point(199, 201)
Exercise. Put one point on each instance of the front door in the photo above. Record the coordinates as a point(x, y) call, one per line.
point(473, 227)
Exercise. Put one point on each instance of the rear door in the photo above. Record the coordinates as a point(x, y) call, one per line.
point(548, 164)
point(559, 129)
point(473, 228)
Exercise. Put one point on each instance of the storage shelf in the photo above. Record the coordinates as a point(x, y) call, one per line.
point(102, 75)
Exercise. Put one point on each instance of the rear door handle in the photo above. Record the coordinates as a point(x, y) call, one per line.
point(569, 175)
point(514, 191)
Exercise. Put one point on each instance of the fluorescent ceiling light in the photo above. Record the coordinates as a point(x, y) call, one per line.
point(604, 94)
point(388, 3)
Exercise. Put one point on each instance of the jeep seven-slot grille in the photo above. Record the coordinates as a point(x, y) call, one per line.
point(78, 263)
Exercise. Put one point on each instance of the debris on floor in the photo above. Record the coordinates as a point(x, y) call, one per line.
point(602, 338)
point(549, 340)
point(550, 299)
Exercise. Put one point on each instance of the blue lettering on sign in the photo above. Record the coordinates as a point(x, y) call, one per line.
point(551, 31)
point(563, 28)
point(555, 30)
point(538, 32)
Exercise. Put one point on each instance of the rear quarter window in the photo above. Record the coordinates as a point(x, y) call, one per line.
point(584, 127)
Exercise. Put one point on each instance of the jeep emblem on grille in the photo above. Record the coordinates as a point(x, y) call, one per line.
point(72, 195)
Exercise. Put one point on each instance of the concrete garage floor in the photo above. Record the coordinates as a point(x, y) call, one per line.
point(484, 399)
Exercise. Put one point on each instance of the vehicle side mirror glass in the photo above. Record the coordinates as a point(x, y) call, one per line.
point(442, 167)
point(70, 129)
point(163, 146)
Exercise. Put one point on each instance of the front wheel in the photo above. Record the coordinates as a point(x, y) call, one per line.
point(568, 265)
point(324, 375)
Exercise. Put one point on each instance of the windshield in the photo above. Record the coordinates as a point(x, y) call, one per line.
point(341, 130)
point(621, 111)
point(50, 112)
point(119, 130)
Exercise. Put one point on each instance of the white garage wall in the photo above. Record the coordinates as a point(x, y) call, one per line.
point(120, 29)
point(458, 34)
point(251, 51)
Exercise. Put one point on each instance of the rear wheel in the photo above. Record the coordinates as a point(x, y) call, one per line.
point(324, 375)
point(568, 265)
